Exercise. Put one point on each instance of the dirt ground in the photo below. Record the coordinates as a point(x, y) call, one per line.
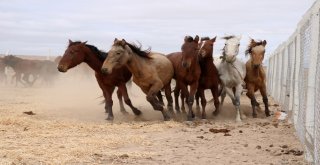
point(69, 127)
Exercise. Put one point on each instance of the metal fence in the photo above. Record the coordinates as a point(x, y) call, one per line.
point(294, 81)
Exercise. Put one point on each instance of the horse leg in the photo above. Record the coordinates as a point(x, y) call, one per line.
point(238, 91)
point(197, 101)
point(183, 100)
point(193, 89)
point(122, 109)
point(215, 95)
point(223, 95)
point(155, 88)
point(167, 90)
point(159, 96)
point(127, 100)
point(250, 94)
point(235, 102)
point(203, 102)
point(176, 92)
point(265, 99)
point(109, 103)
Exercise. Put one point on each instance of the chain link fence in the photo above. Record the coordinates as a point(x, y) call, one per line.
point(294, 81)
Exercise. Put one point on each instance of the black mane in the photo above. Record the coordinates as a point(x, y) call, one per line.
point(228, 37)
point(252, 45)
point(100, 54)
point(137, 49)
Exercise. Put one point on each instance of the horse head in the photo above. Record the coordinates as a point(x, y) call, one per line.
point(231, 48)
point(74, 55)
point(206, 47)
point(190, 51)
point(256, 49)
point(118, 55)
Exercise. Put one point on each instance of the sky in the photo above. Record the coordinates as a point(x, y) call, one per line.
point(43, 27)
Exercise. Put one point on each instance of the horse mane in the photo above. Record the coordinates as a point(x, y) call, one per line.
point(137, 49)
point(252, 45)
point(101, 54)
point(205, 38)
point(228, 37)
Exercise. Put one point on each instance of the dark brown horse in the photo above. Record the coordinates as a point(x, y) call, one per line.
point(78, 52)
point(23, 69)
point(186, 72)
point(209, 78)
point(255, 76)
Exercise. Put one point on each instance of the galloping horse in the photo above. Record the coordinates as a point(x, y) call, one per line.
point(78, 52)
point(256, 77)
point(232, 72)
point(151, 71)
point(209, 78)
point(186, 72)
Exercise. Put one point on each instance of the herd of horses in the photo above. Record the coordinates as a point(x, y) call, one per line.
point(193, 69)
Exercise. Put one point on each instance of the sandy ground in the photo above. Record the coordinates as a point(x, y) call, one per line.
point(69, 128)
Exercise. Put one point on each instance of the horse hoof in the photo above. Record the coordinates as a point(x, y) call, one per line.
point(238, 120)
point(170, 108)
point(254, 115)
point(189, 118)
point(110, 118)
point(137, 112)
point(204, 117)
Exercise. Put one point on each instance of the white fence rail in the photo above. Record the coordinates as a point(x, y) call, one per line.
point(294, 80)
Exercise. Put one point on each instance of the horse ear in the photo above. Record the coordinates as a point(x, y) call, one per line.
point(252, 40)
point(186, 38)
point(214, 39)
point(70, 42)
point(264, 42)
point(196, 39)
point(123, 42)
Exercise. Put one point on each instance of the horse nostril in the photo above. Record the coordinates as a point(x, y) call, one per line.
point(61, 68)
point(104, 70)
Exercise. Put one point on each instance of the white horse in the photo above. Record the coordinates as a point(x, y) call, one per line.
point(232, 72)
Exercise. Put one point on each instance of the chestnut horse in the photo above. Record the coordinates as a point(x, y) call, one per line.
point(232, 72)
point(78, 52)
point(151, 71)
point(186, 72)
point(209, 78)
point(256, 78)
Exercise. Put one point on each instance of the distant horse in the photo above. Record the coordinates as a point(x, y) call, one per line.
point(3, 76)
point(209, 78)
point(186, 72)
point(256, 78)
point(78, 52)
point(23, 69)
point(151, 71)
point(232, 72)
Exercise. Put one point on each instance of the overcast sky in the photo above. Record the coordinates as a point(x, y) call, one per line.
point(42, 27)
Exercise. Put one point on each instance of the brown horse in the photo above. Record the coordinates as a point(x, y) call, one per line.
point(3, 76)
point(151, 71)
point(23, 69)
point(255, 76)
point(186, 72)
point(209, 78)
point(78, 52)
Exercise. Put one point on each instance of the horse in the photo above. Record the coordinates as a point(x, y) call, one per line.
point(232, 72)
point(186, 72)
point(23, 68)
point(80, 52)
point(255, 77)
point(209, 77)
point(3, 76)
point(151, 71)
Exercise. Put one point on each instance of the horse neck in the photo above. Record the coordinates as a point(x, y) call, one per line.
point(135, 65)
point(206, 65)
point(93, 61)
